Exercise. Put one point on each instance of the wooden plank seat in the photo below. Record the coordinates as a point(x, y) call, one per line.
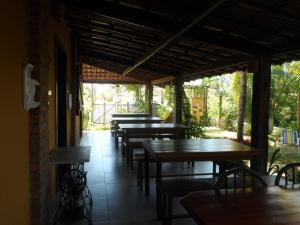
point(179, 187)
point(130, 146)
point(132, 142)
point(118, 134)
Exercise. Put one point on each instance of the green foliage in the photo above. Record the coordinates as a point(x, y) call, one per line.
point(139, 97)
point(196, 128)
point(283, 102)
point(161, 111)
point(85, 120)
point(169, 96)
point(230, 118)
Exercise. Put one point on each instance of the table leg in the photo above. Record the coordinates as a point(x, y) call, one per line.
point(158, 184)
point(146, 173)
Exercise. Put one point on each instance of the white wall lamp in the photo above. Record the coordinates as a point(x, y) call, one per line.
point(29, 88)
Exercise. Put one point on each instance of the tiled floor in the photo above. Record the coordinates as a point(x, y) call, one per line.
point(117, 200)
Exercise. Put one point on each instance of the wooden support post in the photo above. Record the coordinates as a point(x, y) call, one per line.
point(260, 112)
point(149, 89)
point(75, 88)
point(178, 99)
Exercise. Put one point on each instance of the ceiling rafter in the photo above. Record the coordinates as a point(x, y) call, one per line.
point(231, 61)
point(166, 42)
point(125, 63)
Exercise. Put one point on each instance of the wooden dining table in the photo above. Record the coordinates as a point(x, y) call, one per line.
point(263, 206)
point(142, 119)
point(130, 115)
point(182, 150)
point(144, 129)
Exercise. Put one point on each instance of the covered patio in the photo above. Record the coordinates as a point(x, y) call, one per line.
point(146, 42)
point(157, 43)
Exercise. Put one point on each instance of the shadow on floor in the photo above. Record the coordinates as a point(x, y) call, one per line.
point(116, 198)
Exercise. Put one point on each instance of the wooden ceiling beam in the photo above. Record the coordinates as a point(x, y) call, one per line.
point(136, 19)
point(275, 11)
point(228, 62)
point(106, 38)
point(227, 42)
point(163, 80)
point(124, 63)
point(85, 33)
point(166, 42)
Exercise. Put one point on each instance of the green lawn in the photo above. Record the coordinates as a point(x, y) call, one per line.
point(289, 153)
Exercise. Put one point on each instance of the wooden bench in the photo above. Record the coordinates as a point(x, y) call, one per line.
point(132, 142)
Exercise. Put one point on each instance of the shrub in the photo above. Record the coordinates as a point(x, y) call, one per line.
point(230, 118)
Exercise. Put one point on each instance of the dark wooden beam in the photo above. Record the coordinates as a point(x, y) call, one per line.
point(260, 112)
point(166, 42)
point(162, 25)
point(273, 10)
point(163, 80)
point(287, 48)
point(113, 82)
point(226, 42)
point(120, 63)
point(227, 62)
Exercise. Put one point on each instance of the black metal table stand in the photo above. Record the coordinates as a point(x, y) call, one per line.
point(74, 192)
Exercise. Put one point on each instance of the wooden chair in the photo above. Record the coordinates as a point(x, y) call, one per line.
point(239, 178)
point(289, 176)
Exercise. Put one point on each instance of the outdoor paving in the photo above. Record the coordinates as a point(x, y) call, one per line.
point(117, 199)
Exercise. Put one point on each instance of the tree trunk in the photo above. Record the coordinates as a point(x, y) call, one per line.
point(220, 108)
point(298, 110)
point(242, 105)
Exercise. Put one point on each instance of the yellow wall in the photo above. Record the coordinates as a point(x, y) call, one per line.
point(14, 166)
point(14, 120)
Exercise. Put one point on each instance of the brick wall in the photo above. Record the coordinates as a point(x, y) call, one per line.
point(38, 55)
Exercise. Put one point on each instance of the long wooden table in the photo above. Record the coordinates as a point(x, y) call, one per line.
point(132, 120)
point(144, 119)
point(264, 206)
point(189, 150)
point(144, 129)
point(130, 115)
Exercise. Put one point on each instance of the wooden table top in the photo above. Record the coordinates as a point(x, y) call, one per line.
point(153, 126)
point(70, 155)
point(130, 114)
point(264, 206)
point(204, 149)
point(143, 118)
